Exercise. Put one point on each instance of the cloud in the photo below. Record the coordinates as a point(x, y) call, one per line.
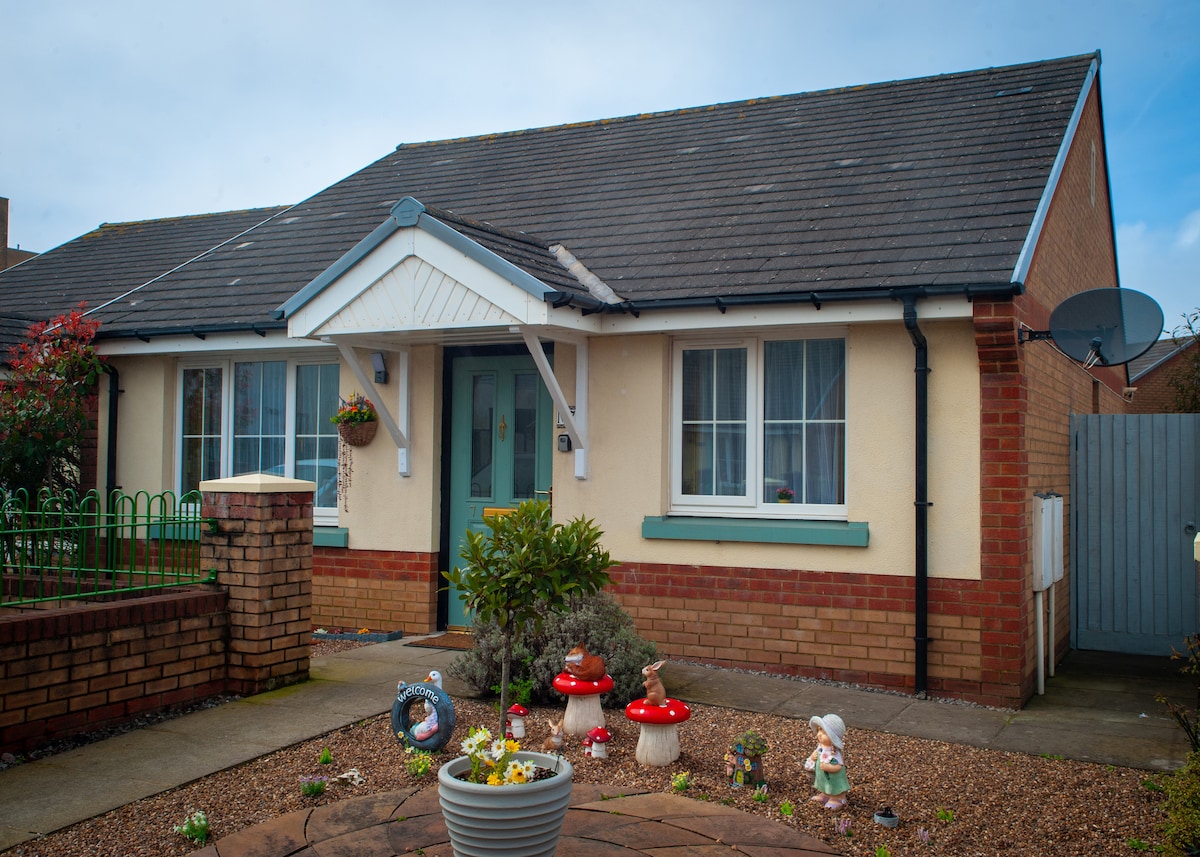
point(1163, 263)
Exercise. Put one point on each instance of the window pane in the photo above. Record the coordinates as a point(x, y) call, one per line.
point(825, 379)
point(201, 440)
point(783, 373)
point(697, 465)
point(825, 464)
point(714, 405)
point(731, 460)
point(698, 385)
point(483, 409)
point(783, 460)
point(259, 409)
point(525, 396)
point(316, 436)
point(731, 384)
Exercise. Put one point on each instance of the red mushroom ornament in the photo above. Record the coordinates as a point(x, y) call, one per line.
point(516, 720)
point(583, 702)
point(597, 743)
point(658, 743)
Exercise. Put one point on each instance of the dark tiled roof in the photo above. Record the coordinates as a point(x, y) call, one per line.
point(921, 183)
point(116, 258)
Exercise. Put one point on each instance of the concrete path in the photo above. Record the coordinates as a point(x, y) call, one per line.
point(1098, 708)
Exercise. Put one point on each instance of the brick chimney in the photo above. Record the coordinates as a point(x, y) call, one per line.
point(9, 256)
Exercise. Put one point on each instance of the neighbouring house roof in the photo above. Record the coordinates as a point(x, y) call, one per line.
point(931, 184)
point(1158, 354)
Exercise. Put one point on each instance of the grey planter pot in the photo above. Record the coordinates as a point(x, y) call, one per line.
point(505, 821)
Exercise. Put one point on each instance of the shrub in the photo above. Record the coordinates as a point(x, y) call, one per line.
point(597, 621)
point(1182, 827)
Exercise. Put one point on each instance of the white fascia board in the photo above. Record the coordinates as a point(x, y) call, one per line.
point(698, 319)
point(213, 343)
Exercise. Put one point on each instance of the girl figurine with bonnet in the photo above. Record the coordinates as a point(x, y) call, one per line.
point(827, 762)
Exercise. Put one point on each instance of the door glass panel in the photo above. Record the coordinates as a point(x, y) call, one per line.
point(525, 400)
point(483, 409)
point(201, 454)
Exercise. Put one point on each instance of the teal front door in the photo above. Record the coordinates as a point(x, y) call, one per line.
point(499, 447)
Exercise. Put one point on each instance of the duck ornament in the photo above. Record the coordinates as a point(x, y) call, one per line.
point(423, 714)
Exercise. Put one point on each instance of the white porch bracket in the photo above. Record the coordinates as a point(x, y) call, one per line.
point(396, 426)
point(574, 419)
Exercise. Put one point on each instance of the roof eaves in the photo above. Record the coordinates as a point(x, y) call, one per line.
point(1025, 259)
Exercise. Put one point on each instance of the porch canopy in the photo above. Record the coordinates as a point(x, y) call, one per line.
point(428, 276)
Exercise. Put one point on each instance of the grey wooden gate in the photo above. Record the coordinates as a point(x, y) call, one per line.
point(1135, 505)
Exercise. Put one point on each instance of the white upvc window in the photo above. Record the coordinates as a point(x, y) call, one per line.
point(754, 415)
point(260, 416)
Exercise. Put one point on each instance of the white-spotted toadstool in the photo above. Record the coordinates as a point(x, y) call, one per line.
point(596, 743)
point(516, 720)
point(583, 702)
point(658, 743)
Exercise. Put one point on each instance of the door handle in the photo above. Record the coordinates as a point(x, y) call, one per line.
point(502, 428)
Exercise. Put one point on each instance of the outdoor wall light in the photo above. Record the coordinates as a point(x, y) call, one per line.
point(379, 366)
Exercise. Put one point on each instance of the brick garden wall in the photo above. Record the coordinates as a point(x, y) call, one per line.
point(77, 669)
point(381, 590)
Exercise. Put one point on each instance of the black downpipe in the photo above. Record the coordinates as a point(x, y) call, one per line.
point(110, 463)
point(921, 502)
point(110, 459)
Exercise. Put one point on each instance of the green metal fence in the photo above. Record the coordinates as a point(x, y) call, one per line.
point(69, 548)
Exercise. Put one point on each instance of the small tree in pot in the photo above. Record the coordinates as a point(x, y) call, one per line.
point(526, 566)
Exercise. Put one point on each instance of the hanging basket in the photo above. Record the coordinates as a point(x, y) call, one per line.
point(358, 434)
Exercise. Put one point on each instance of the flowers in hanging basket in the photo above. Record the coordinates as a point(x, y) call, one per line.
point(785, 494)
point(355, 411)
point(494, 762)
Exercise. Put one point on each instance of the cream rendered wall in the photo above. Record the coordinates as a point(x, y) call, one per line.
point(145, 424)
point(387, 511)
point(629, 407)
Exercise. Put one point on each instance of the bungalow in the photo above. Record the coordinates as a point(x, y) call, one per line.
point(772, 347)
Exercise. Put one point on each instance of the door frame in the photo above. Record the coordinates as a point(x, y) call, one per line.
point(446, 544)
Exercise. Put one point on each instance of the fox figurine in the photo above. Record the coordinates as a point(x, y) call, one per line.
point(585, 666)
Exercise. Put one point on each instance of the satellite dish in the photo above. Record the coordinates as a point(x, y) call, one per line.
point(1105, 326)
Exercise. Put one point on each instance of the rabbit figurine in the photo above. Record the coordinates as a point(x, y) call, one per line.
point(656, 694)
point(554, 743)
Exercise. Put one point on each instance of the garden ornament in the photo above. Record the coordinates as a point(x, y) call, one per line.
point(827, 762)
point(516, 720)
point(584, 710)
point(553, 744)
point(656, 694)
point(433, 726)
point(658, 743)
point(585, 666)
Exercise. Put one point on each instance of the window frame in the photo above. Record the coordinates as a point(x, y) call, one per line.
point(322, 515)
point(749, 504)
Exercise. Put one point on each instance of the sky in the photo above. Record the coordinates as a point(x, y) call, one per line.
point(124, 110)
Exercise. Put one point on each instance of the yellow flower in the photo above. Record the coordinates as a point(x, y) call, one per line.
point(494, 779)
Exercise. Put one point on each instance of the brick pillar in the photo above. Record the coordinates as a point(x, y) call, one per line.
point(262, 552)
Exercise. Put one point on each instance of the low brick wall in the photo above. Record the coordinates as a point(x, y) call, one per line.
point(85, 666)
point(380, 590)
point(76, 669)
point(856, 628)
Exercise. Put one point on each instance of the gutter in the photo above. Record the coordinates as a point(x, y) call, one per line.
point(921, 502)
point(588, 304)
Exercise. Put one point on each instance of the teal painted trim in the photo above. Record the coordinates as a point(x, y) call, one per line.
point(405, 214)
point(477, 252)
point(348, 260)
point(843, 533)
point(331, 537)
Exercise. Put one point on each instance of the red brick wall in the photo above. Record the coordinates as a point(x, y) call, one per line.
point(845, 627)
point(380, 590)
point(1029, 391)
point(1154, 393)
point(73, 670)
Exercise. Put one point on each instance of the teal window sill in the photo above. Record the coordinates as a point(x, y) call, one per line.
point(842, 533)
point(331, 537)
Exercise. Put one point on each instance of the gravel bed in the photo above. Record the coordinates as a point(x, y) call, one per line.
point(951, 799)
